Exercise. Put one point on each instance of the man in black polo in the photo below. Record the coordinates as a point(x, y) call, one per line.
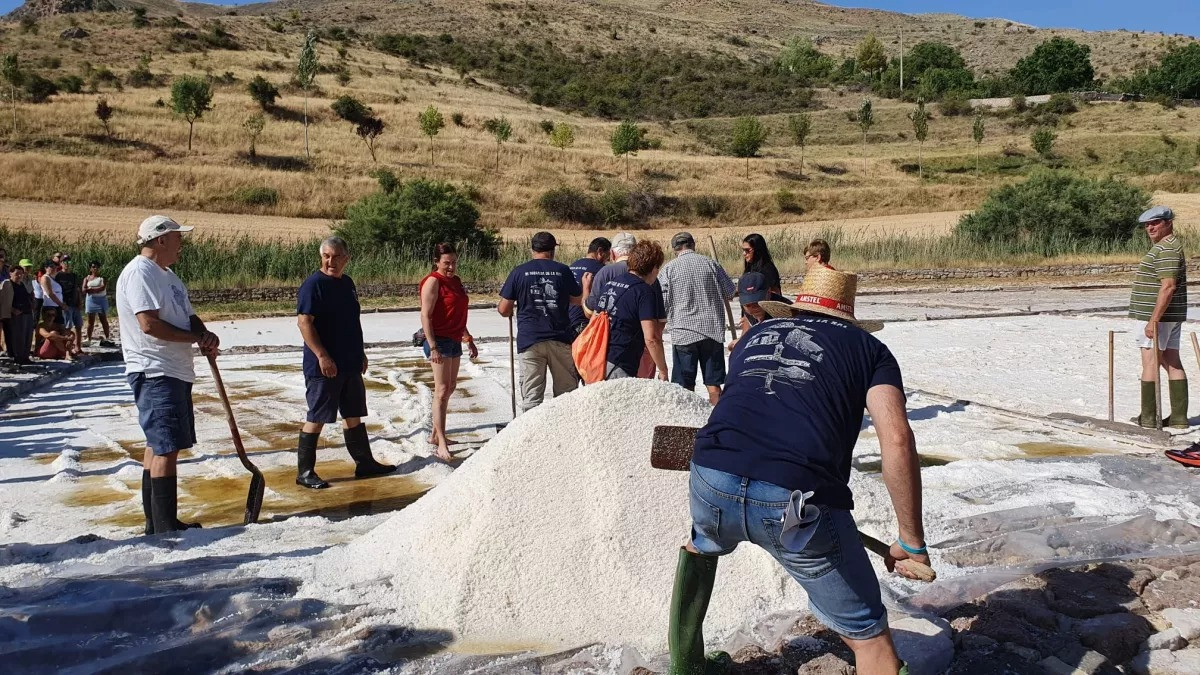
point(334, 363)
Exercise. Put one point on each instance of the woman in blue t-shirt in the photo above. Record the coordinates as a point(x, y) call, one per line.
point(633, 311)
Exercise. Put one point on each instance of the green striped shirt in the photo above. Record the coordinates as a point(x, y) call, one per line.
point(1164, 261)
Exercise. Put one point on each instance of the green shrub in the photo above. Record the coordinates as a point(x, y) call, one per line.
point(1043, 141)
point(458, 119)
point(417, 215)
point(255, 196)
point(546, 126)
point(1055, 207)
point(613, 206)
point(39, 89)
point(1019, 104)
point(70, 84)
point(954, 104)
point(787, 201)
point(709, 206)
point(262, 92)
point(1061, 104)
point(569, 205)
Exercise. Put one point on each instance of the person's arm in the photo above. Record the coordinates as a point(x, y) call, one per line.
point(155, 327)
point(728, 290)
point(6, 299)
point(429, 299)
point(209, 342)
point(652, 332)
point(1166, 290)
point(308, 330)
point(505, 307)
point(901, 468)
point(586, 284)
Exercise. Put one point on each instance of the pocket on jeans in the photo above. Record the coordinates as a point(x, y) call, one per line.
point(706, 518)
point(822, 554)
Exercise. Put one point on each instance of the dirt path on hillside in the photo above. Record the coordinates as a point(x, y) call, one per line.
point(76, 221)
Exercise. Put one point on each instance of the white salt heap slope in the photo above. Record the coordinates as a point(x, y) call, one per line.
point(558, 532)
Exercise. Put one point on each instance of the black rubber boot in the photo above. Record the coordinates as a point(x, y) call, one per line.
point(1179, 404)
point(359, 447)
point(694, 578)
point(147, 509)
point(306, 460)
point(164, 504)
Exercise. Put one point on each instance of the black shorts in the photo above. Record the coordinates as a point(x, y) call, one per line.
point(327, 396)
point(706, 356)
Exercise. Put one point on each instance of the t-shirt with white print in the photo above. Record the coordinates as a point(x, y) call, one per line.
point(144, 286)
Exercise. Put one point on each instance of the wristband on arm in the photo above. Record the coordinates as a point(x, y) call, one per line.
point(910, 550)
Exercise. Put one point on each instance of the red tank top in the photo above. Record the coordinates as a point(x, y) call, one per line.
point(450, 313)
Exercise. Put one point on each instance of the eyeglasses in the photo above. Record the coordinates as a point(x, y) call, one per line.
point(747, 250)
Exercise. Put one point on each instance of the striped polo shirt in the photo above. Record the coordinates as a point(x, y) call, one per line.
point(1164, 261)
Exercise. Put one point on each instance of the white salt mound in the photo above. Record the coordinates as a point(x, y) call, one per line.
point(557, 532)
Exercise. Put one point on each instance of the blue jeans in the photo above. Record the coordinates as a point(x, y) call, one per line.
point(164, 412)
point(450, 349)
point(833, 569)
point(706, 357)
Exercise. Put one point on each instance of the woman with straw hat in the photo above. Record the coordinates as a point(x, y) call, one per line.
point(781, 481)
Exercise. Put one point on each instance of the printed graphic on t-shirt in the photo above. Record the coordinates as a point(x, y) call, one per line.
point(179, 297)
point(769, 360)
point(608, 298)
point(544, 293)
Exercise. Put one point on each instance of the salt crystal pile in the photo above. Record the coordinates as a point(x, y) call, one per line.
point(557, 533)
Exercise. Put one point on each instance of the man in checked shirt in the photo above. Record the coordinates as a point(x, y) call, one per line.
point(695, 289)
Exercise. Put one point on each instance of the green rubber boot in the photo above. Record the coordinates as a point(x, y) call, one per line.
point(1179, 404)
point(1146, 419)
point(903, 669)
point(694, 578)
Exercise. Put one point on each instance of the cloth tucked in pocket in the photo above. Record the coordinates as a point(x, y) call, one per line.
point(799, 520)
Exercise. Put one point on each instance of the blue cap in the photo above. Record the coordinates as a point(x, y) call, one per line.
point(752, 287)
point(1157, 213)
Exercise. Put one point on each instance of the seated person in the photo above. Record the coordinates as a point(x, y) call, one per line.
point(58, 343)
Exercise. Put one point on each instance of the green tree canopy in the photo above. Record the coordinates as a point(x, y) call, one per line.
point(926, 55)
point(350, 109)
point(871, 57)
point(626, 140)
point(431, 122)
point(262, 92)
point(191, 97)
point(415, 215)
point(1177, 75)
point(803, 61)
point(1058, 64)
point(562, 136)
point(749, 134)
point(306, 75)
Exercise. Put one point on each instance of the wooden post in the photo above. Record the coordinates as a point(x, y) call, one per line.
point(1111, 392)
point(728, 308)
point(1196, 349)
point(512, 369)
point(1157, 366)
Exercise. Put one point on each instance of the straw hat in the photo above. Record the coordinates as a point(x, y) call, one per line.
point(824, 291)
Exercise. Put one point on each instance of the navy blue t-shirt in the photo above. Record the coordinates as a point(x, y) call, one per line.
point(793, 404)
point(629, 301)
point(619, 269)
point(334, 304)
point(579, 268)
point(542, 290)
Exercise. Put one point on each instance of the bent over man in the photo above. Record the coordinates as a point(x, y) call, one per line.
point(158, 328)
point(334, 363)
point(772, 467)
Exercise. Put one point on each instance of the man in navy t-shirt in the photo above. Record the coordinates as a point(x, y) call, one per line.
point(772, 467)
point(334, 362)
point(585, 270)
point(541, 291)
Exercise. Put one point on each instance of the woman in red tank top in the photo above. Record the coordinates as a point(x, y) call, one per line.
point(444, 320)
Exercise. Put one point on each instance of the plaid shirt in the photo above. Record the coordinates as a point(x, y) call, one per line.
point(695, 290)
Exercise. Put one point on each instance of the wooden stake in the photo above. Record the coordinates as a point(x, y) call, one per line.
point(1196, 349)
point(512, 369)
point(728, 308)
point(1157, 366)
point(1111, 392)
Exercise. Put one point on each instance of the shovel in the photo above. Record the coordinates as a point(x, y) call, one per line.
point(671, 449)
point(258, 484)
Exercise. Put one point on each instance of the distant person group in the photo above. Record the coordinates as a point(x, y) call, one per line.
point(42, 308)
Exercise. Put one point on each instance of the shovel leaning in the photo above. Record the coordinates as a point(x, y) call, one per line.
point(258, 484)
point(671, 449)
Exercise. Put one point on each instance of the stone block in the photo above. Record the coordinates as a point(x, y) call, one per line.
point(1177, 592)
point(924, 643)
point(992, 662)
point(1083, 595)
point(826, 664)
point(1168, 639)
point(1186, 621)
point(1165, 662)
point(1117, 636)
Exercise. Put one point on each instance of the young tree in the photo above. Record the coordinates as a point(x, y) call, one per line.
point(366, 124)
point(431, 123)
point(10, 68)
point(263, 92)
point(139, 18)
point(191, 97)
point(749, 134)
point(803, 61)
point(306, 76)
point(866, 117)
point(870, 57)
point(501, 128)
point(104, 113)
point(1042, 141)
point(977, 135)
point(562, 137)
point(920, 122)
point(800, 126)
point(254, 126)
point(626, 140)
point(369, 129)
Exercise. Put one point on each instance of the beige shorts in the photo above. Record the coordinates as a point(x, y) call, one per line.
point(1169, 333)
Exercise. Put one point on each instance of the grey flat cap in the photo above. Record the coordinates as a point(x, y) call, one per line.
point(1157, 213)
point(682, 240)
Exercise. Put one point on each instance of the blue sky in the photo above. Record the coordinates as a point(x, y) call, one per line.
point(1166, 16)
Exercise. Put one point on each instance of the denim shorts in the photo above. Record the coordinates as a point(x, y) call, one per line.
point(450, 349)
point(96, 304)
point(833, 569)
point(165, 412)
point(327, 396)
point(706, 356)
point(72, 317)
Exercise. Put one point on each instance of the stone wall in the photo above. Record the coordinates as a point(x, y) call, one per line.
point(288, 293)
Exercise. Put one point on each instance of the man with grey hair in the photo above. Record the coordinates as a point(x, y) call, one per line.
point(334, 363)
point(622, 244)
point(695, 289)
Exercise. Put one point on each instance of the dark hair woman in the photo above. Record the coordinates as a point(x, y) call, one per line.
point(758, 259)
point(632, 307)
point(444, 320)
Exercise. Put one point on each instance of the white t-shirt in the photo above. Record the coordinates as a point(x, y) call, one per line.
point(144, 286)
point(47, 301)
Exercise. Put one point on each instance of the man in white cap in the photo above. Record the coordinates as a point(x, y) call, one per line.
point(778, 444)
point(158, 329)
point(1160, 297)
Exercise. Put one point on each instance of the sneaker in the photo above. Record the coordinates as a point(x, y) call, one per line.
point(107, 343)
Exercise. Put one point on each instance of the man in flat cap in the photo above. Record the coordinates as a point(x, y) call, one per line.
point(1160, 297)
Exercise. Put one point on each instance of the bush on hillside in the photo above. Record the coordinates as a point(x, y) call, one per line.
point(1054, 208)
point(569, 205)
point(255, 196)
point(709, 206)
point(1061, 104)
point(416, 215)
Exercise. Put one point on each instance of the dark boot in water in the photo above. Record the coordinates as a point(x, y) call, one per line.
point(359, 447)
point(306, 461)
point(694, 576)
point(1146, 418)
point(147, 499)
point(164, 505)
point(1179, 404)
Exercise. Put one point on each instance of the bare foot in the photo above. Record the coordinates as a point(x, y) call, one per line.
point(432, 441)
point(443, 453)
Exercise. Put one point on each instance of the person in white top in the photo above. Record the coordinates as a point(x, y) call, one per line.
point(158, 328)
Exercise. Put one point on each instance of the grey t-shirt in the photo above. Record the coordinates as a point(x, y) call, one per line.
point(617, 270)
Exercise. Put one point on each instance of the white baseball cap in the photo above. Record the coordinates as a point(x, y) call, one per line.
point(156, 226)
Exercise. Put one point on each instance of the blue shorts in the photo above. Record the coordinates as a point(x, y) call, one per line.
point(164, 412)
point(706, 356)
point(327, 396)
point(450, 349)
point(96, 304)
point(72, 317)
point(833, 569)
